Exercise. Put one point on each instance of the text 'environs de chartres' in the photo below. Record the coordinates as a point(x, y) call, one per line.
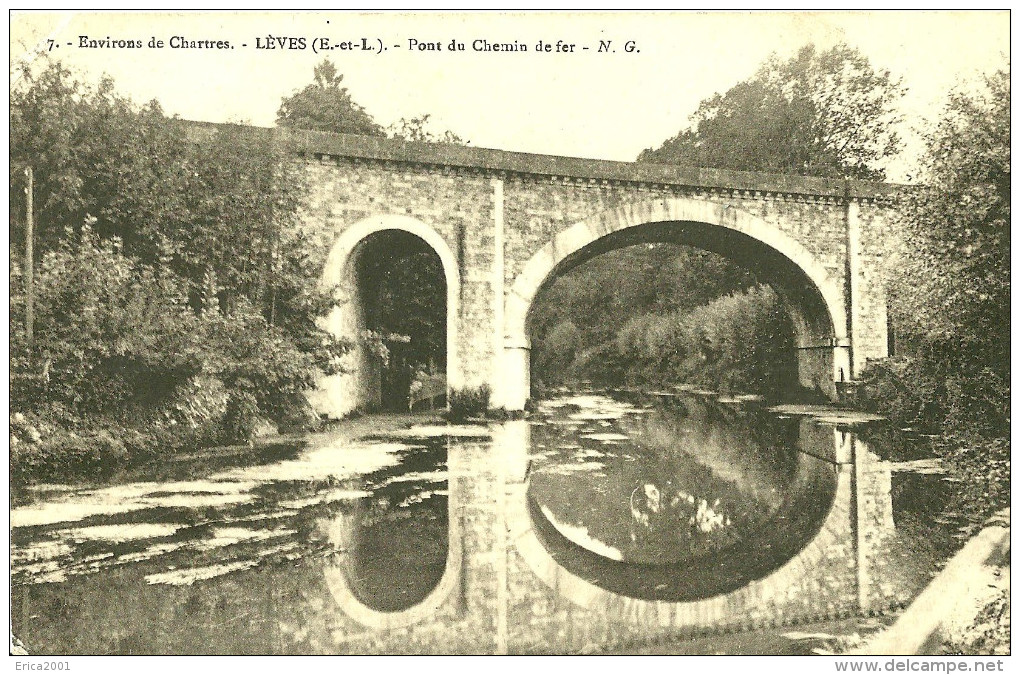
point(175, 42)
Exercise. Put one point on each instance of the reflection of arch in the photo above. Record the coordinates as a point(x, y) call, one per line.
point(336, 580)
point(727, 226)
point(340, 394)
point(758, 602)
point(450, 584)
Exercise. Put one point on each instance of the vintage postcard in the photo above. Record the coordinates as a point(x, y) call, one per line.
point(489, 333)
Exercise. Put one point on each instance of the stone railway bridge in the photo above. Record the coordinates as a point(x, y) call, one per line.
point(506, 224)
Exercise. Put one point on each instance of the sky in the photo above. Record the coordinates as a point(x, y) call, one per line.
point(583, 103)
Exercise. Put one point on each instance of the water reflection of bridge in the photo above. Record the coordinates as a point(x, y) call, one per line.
point(504, 591)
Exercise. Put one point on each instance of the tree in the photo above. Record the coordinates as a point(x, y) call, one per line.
point(950, 284)
point(326, 105)
point(818, 114)
point(951, 278)
point(957, 226)
point(110, 330)
point(417, 129)
point(221, 208)
point(94, 155)
point(166, 255)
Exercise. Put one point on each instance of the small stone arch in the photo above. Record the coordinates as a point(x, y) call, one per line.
point(442, 595)
point(338, 395)
point(545, 262)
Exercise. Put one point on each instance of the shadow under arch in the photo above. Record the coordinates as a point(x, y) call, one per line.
point(338, 395)
point(813, 293)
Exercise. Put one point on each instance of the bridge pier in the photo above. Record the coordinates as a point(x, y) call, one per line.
point(360, 386)
point(821, 366)
point(512, 386)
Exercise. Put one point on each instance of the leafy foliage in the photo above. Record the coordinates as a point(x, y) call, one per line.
point(109, 332)
point(604, 292)
point(819, 114)
point(94, 156)
point(738, 342)
point(119, 344)
point(469, 402)
point(953, 271)
point(949, 278)
point(949, 282)
point(617, 316)
point(169, 267)
point(418, 129)
point(326, 105)
point(218, 209)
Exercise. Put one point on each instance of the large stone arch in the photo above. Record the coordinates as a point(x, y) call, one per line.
point(338, 395)
point(828, 334)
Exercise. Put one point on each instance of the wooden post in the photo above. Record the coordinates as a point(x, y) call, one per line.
point(29, 284)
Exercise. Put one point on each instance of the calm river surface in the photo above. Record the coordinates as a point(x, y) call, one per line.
point(598, 522)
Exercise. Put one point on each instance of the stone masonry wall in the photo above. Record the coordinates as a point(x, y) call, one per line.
point(460, 204)
point(537, 208)
point(457, 205)
point(870, 309)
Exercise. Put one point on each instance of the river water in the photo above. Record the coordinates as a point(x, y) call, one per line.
point(599, 523)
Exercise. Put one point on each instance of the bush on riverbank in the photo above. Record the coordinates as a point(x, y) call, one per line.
point(949, 279)
point(123, 368)
point(176, 297)
point(739, 342)
point(41, 450)
point(468, 402)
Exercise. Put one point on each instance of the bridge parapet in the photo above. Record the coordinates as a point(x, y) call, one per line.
point(322, 145)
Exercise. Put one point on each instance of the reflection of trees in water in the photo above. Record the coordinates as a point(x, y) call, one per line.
point(703, 500)
point(755, 454)
point(118, 613)
point(700, 478)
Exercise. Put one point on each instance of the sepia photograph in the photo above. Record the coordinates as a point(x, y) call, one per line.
point(643, 333)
